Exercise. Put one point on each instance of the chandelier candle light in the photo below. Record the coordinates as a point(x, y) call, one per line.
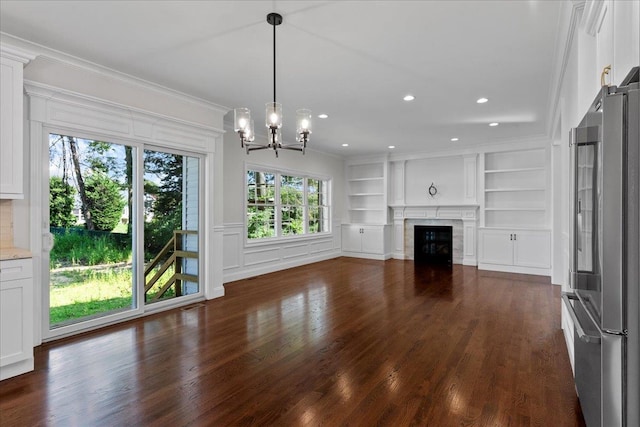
point(273, 121)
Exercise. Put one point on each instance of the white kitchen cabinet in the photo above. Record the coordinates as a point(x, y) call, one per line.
point(365, 241)
point(16, 317)
point(11, 143)
point(515, 250)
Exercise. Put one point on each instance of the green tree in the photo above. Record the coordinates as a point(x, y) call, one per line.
point(291, 199)
point(104, 201)
point(260, 222)
point(164, 199)
point(61, 200)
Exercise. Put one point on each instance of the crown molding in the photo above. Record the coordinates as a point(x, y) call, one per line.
point(564, 45)
point(592, 16)
point(68, 97)
point(16, 54)
point(520, 144)
point(17, 44)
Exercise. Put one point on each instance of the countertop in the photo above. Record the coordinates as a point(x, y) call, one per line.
point(14, 253)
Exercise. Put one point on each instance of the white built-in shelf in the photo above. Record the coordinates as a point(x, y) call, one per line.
point(514, 170)
point(366, 192)
point(515, 189)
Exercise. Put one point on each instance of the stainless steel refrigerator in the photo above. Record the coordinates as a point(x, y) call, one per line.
point(605, 257)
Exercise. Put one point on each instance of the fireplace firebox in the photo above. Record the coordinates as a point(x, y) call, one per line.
point(433, 244)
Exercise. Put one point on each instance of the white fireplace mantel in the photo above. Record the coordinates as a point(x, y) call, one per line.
point(467, 213)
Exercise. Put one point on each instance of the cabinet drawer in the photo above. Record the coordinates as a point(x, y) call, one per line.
point(16, 269)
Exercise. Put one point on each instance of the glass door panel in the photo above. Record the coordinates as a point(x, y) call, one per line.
point(92, 263)
point(586, 212)
point(171, 225)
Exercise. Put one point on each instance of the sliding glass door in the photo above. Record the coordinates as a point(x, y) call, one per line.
point(91, 212)
point(125, 224)
point(171, 225)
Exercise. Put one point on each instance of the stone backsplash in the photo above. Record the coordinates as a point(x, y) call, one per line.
point(6, 223)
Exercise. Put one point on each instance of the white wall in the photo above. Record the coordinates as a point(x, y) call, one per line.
point(446, 174)
point(240, 259)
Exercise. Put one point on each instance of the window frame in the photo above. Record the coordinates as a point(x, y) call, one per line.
point(278, 173)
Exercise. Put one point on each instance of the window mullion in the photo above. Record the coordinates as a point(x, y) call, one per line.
point(305, 205)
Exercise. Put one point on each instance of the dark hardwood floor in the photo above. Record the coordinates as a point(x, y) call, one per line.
point(341, 342)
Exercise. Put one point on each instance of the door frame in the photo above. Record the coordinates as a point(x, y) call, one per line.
point(137, 243)
point(57, 110)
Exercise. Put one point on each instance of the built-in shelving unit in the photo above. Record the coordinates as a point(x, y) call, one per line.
point(366, 192)
point(515, 189)
point(366, 232)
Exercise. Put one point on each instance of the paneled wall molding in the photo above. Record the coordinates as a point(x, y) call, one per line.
point(470, 178)
point(66, 109)
point(242, 260)
point(213, 287)
point(467, 213)
point(397, 184)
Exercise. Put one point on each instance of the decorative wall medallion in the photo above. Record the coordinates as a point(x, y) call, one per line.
point(433, 190)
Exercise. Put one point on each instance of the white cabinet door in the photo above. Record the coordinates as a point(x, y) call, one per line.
point(496, 247)
point(373, 240)
point(10, 129)
point(16, 317)
point(532, 249)
point(351, 238)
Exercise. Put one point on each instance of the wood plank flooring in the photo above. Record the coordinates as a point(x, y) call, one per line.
point(341, 342)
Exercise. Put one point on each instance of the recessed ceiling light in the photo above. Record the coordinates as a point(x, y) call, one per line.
point(409, 97)
point(323, 116)
point(455, 139)
point(345, 145)
point(482, 100)
point(392, 146)
point(494, 124)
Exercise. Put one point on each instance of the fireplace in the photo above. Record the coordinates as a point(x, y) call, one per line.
point(433, 244)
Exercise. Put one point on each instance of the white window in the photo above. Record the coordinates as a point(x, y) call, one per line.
point(282, 204)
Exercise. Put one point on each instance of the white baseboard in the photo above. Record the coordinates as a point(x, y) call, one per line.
point(515, 269)
point(215, 293)
point(15, 369)
point(380, 257)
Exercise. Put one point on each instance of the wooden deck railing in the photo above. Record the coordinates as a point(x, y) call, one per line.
point(172, 254)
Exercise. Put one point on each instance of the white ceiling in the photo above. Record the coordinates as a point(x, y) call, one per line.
point(353, 60)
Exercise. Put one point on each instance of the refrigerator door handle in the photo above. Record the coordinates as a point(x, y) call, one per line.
point(592, 339)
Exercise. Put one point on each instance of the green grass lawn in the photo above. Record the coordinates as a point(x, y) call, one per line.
point(83, 292)
point(120, 228)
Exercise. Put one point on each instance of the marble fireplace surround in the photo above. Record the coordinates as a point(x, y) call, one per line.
point(463, 219)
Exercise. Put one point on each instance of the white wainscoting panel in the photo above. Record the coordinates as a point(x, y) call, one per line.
point(242, 260)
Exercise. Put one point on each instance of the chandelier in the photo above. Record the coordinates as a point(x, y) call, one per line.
point(243, 124)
